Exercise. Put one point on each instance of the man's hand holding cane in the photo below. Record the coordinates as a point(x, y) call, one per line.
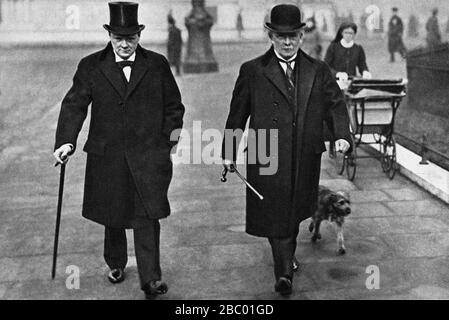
point(230, 166)
point(62, 153)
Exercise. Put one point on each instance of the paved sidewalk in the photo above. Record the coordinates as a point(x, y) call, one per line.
point(395, 226)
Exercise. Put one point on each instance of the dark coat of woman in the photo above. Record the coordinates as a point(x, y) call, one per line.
point(174, 45)
point(128, 145)
point(349, 60)
point(395, 32)
point(433, 37)
point(260, 93)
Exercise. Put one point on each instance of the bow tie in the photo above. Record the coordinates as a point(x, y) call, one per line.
point(125, 63)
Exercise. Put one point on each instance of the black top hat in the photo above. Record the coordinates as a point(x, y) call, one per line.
point(285, 18)
point(123, 18)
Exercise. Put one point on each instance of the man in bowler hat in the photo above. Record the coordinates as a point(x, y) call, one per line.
point(135, 107)
point(287, 94)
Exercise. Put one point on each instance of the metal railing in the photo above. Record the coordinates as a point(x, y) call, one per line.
point(422, 149)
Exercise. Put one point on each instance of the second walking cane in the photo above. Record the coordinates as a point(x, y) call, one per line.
point(234, 169)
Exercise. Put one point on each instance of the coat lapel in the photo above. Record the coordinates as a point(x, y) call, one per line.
point(274, 73)
point(139, 69)
point(111, 71)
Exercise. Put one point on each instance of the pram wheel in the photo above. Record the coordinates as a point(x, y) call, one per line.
point(388, 158)
point(351, 164)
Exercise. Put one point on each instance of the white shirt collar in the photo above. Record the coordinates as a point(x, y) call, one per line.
point(289, 60)
point(118, 58)
point(346, 44)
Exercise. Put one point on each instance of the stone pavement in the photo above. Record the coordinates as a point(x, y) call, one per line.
point(205, 253)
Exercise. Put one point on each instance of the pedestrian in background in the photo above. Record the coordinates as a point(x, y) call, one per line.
point(135, 107)
point(239, 24)
point(344, 56)
point(395, 33)
point(433, 37)
point(311, 41)
point(174, 45)
point(287, 95)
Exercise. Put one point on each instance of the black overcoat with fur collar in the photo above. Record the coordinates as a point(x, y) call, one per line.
point(260, 94)
point(129, 135)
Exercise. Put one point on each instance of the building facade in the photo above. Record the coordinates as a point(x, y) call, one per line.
point(81, 20)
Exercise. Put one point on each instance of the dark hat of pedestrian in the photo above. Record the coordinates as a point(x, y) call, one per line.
point(395, 9)
point(123, 18)
point(285, 18)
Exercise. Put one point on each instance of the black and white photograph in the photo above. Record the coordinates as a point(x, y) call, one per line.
point(245, 152)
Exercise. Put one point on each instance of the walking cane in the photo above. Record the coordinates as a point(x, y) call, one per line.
point(225, 172)
point(58, 217)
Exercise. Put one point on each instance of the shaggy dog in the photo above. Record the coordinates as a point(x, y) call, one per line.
point(334, 207)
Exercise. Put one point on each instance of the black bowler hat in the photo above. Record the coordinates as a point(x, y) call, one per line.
point(123, 18)
point(285, 18)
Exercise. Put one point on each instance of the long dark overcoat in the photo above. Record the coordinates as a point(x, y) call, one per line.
point(395, 32)
point(174, 45)
point(128, 145)
point(261, 94)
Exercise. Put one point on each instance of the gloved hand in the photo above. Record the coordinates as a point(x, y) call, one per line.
point(229, 165)
point(342, 76)
point(366, 75)
point(341, 145)
point(62, 153)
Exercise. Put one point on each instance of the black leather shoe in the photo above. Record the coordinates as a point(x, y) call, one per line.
point(116, 275)
point(283, 286)
point(295, 264)
point(154, 288)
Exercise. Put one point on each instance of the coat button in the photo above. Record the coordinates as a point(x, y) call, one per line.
point(276, 104)
point(294, 123)
point(120, 103)
point(275, 120)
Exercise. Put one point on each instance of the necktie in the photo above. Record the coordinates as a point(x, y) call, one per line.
point(289, 72)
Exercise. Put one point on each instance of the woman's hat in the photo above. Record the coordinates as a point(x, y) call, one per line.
point(285, 18)
point(123, 18)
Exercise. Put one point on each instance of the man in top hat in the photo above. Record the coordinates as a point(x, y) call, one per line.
point(135, 107)
point(395, 32)
point(287, 95)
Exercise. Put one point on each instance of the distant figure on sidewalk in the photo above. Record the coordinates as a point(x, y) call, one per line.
point(174, 45)
point(395, 33)
point(344, 56)
point(239, 24)
point(433, 30)
point(311, 41)
point(135, 105)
